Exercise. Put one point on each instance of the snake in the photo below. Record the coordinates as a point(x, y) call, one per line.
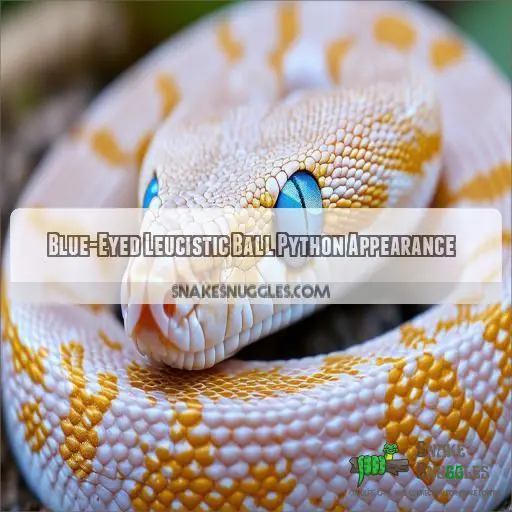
point(376, 104)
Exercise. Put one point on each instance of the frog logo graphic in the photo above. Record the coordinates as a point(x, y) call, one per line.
point(374, 465)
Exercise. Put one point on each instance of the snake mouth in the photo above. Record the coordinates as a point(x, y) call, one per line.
point(185, 336)
point(150, 326)
point(142, 318)
point(336, 327)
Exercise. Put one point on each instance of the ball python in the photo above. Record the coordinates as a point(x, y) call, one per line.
point(225, 113)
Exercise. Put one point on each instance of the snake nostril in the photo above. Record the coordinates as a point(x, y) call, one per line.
point(169, 309)
point(153, 319)
point(145, 322)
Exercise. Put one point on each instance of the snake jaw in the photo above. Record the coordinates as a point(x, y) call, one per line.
point(180, 335)
point(147, 326)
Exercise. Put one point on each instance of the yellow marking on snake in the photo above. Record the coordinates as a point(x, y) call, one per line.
point(334, 55)
point(169, 93)
point(114, 345)
point(97, 308)
point(498, 332)
point(142, 149)
point(446, 52)
point(491, 244)
point(414, 337)
point(410, 157)
point(266, 484)
point(44, 221)
point(229, 46)
point(36, 432)
point(372, 197)
point(484, 187)
point(288, 32)
point(179, 385)
point(190, 484)
point(437, 375)
point(407, 152)
point(25, 360)
point(318, 503)
point(86, 411)
point(395, 31)
point(105, 145)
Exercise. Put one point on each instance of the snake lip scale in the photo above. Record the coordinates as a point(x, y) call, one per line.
point(383, 104)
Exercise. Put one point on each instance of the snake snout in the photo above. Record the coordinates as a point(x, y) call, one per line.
point(184, 335)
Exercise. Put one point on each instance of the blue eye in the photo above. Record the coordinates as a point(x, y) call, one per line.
point(151, 192)
point(300, 191)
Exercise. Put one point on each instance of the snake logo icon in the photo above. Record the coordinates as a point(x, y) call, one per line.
point(373, 465)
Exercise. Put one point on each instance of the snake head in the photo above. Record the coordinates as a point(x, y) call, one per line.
point(390, 449)
point(373, 147)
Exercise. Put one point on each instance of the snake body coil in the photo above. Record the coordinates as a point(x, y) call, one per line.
point(96, 426)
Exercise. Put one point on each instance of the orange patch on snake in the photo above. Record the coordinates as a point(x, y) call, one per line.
point(86, 411)
point(191, 485)
point(266, 483)
point(114, 345)
point(25, 359)
point(414, 337)
point(436, 375)
point(169, 93)
point(318, 504)
point(493, 245)
point(230, 47)
point(180, 385)
point(373, 196)
point(142, 149)
point(446, 52)
point(395, 31)
point(36, 432)
point(498, 332)
point(410, 157)
point(288, 29)
point(334, 55)
point(97, 308)
point(105, 145)
point(484, 187)
point(413, 148)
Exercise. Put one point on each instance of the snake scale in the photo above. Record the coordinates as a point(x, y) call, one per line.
point(225, 113)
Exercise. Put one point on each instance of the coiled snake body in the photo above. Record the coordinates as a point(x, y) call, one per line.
point(97, 426)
